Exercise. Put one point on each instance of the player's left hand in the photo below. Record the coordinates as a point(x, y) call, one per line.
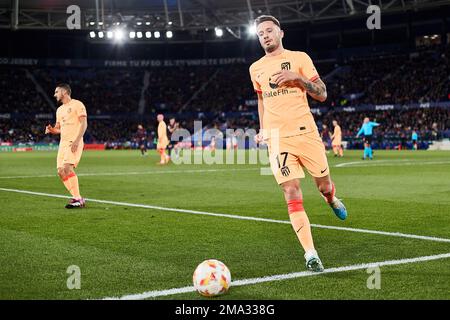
point(74, 146)
point(284, 76)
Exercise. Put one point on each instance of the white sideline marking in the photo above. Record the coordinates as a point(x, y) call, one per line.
point(130, 173)
point(279, 277)
point(387, 163)
point(232, 216)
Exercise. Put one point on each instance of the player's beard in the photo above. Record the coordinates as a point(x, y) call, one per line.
point(272, 47)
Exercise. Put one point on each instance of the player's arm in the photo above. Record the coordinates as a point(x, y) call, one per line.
point(83, 127)
point(53, 130)
point(260, 110)
point(360, 131)
point(257, 87)
point(316, 88)
point(259, 136)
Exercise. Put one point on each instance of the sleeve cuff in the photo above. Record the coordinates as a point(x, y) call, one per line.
point(314, 78)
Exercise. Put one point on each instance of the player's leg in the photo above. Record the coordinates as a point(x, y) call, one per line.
point(370, 152)
point(297, 214)
point(328, 191)
point(169, 153)
point(366, 150)
point(287, 172)
point(72, 179)
point(71, 161)
point(60, 167)
point(369, 147)
point(163, 155)
point(144, 144)
point(65, 179)
point(313, 158)
point(176, 149)
point(341, 151)
point(167, 157)
point(300, 223)
point(335, 150)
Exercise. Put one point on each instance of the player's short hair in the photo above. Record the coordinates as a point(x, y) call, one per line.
point(66, 87)
point(265, 18)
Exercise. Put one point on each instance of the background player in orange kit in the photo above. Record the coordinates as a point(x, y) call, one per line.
point(71, 124)
point(163, 140)
point(336, 140)
point(282, 80)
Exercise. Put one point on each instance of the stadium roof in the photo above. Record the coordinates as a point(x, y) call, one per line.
point(188, 14)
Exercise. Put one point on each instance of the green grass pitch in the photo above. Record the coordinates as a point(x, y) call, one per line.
point(123, 250)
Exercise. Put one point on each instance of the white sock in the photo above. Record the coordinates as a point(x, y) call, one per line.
point(310, 254)
point(334, 200)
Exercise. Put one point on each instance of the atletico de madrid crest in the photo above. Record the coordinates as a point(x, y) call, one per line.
point(286, 66)
point(285, 171)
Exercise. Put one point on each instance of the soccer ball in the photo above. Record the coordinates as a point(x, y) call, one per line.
point(211, 278)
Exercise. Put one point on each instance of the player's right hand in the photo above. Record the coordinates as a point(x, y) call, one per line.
point(48, 129)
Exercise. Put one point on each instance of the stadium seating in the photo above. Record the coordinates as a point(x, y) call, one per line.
point(118, 99)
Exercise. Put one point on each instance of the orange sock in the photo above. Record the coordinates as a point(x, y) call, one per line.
point(300, 223)
point(329, 196)
point(68, 185)
point(73, 179)
point(163, 155)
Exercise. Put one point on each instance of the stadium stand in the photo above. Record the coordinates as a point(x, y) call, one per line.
point(120, 98)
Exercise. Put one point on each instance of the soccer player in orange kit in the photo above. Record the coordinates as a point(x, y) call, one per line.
point(336, 138)
point(71, 124)
point(163, 140)
point(282, 80)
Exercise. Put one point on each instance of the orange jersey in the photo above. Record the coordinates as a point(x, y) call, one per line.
point(68, 115)
point(285, 107)
point(163, 141)
point(337, 134)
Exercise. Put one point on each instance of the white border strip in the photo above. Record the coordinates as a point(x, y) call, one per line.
point(279, 277)
point(232, 216)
